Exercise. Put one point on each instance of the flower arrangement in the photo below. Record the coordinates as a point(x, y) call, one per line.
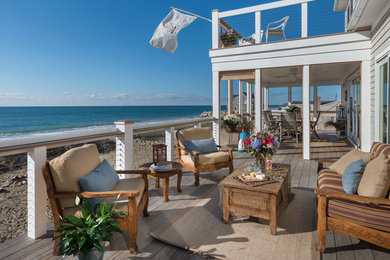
point(232, 121)
point(261, 145)
point(228, 38)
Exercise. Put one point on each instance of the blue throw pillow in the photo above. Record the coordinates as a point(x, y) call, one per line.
point(103, 178)
point(352, 176)
point(202, 146)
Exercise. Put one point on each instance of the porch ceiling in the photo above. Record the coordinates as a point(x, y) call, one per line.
point(323, 74)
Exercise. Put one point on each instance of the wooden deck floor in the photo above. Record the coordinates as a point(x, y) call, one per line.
point(339, 246)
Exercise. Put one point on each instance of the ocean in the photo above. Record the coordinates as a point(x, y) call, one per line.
point(28, 121)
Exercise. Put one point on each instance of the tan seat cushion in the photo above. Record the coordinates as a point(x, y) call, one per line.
point(376, 178)
point(193, 134)
point(380, 148)
point(341, 164)
point(208, 158)
point(123, 184)
point(68, 168)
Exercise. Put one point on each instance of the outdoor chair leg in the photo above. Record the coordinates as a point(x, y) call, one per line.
point(146, 213)
point(321, 224)
point(133, 228)
point(197, 176)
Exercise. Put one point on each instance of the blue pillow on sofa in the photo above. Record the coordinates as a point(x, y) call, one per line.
point(352, 176)
point(103, 178)
point(202, 146)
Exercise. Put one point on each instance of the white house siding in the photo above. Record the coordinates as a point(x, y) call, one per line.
point(380, 41)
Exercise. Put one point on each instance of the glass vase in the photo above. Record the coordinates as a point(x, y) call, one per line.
point(260, 160)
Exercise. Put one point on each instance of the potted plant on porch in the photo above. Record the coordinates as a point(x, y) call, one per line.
point(83, 236)
point(228, 39)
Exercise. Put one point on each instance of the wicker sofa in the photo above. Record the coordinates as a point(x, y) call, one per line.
point(365, 218)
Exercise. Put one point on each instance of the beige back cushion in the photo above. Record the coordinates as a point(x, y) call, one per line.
point(375, 181)
point(341, 164)
point(68, 168)
point(193, 134)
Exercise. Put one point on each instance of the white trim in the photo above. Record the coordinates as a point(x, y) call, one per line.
point(216, 106)
point(240, 97)
point(262, 7)
point(383, 54)
point(215, 29)
point(306, 112)
point(365, 87)
point(258, 100)
point(304, 20)
point(258, 27)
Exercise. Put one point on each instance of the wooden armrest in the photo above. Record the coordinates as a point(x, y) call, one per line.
point(143, 172)
point(97, 194)
point(225, 148)
point(352, 197)
point(326, 161)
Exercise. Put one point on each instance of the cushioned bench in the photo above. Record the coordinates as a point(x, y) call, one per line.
point(363, 217)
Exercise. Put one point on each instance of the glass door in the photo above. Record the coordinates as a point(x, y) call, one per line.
point(384, 101)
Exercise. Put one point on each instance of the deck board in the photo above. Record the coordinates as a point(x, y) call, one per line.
point(303, 174)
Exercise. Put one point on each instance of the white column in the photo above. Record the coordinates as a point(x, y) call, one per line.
point(306, 112)
point(230, 97)
point(315, 103)
point(266, 98)
point(258, 27)
point(170, 142)
point(36, 193)
point(290, 94)
point(365, 126)
point(249, 98)
point(258, 101)
point(215, 29)
point(304, 20)
point(240, 97)
point(216, 106)
point(124, 146)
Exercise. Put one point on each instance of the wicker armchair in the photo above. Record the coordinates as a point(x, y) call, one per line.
point(62, 174)
point(202, 162)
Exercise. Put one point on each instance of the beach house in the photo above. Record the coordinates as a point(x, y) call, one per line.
point(356, 58)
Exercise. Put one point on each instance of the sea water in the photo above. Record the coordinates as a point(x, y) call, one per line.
point(29, 121)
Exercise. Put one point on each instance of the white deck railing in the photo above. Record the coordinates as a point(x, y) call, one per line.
point(217, 16)
point(36, 149)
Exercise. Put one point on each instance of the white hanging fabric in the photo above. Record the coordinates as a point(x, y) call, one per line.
point(165, 36)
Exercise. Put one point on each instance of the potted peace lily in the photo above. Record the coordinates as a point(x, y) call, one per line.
point(83, 236)
point(262, 146)
point(232, 121)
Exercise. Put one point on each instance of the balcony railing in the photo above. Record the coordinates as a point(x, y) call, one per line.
point(306, 18)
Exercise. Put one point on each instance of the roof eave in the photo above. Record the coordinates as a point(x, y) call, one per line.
point(340, 5)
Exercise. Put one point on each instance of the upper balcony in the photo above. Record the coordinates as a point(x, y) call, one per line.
point(276, 21)
point(285, 33)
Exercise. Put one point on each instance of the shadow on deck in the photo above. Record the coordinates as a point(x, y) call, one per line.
point(339, 246)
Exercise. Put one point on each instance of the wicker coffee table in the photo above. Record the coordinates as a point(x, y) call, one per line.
point(165, 175)
point(261, 201)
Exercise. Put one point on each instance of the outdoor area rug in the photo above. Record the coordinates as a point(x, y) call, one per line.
point(199, 228)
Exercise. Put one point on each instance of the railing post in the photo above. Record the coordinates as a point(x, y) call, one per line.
point(249, 98)
point(124, 146)
point(304, 19)
point(258, 101)
point(230, 97)
point(216, 106)
point(36, 193)
point(241, 97)
point(306, 112)
point(170, 142)
point(215, 29)
point(258, 27)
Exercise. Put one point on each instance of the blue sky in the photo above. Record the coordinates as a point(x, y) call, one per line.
point(93, 52)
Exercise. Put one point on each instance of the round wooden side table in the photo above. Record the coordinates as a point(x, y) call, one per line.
point(165, 174)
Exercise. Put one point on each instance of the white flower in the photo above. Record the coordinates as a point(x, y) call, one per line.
point(77, 200)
